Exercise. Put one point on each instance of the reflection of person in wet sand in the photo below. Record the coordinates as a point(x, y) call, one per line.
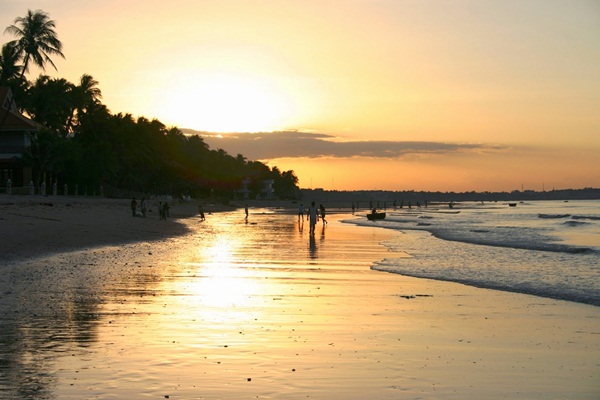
point(312, 247)
point(312, 215)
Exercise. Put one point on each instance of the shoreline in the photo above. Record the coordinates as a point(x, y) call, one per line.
point(211, 312)
point(46, 225)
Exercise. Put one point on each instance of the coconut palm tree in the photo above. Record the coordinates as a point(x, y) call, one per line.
point(36, 41)
point(10, 70)
point(85, 96)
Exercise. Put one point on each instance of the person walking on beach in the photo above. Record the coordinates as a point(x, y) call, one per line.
point(166, 210)
point(301, 212)
point(201, 212)
point(322, 214)
point(312, 215)
point(143, 206)
point(246, 210)
point(133, 206)
point(161, 210)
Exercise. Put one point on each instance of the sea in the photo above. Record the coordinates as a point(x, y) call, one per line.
point(543, 248)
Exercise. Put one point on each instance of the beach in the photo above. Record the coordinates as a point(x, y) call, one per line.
point(95, 303)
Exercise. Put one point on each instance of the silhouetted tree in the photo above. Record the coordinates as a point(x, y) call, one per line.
point(36, 42)
point(83, 143)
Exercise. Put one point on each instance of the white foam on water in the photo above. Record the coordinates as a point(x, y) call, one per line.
point(550, 249)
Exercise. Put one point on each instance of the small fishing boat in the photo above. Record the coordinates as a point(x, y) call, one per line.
point(512, 204)
point(375, 215)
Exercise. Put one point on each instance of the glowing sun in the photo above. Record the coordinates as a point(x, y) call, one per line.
point(222, 102)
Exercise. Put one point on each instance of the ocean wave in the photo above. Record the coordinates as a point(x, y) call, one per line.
point(513, 237)
point(518, 239)
point(546, 249)
point(558, 291)
point(574, 223)
point(590, 217)
point(553, 216)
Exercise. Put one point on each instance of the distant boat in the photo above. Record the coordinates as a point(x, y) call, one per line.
point(376, 215)
point(512, 204)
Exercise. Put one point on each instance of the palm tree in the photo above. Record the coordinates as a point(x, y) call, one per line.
point(88, 90)
point(85, 96)
point(36, 41)
point(9, 68)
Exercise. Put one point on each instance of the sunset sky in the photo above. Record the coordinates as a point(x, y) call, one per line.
point(356, 94)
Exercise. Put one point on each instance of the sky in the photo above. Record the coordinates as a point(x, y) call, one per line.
point(461, 95)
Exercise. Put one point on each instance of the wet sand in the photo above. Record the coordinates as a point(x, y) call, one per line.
point(236, 309)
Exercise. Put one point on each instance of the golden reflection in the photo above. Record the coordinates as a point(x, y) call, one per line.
point(223, 282)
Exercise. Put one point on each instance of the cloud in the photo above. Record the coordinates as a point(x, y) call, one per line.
point(291, 144)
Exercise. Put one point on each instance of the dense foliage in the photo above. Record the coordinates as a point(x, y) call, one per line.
point(84, 144)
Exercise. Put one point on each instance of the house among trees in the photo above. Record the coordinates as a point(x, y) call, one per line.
point(15, 140)
point(267, 192)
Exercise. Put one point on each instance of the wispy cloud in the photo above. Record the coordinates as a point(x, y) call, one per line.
point(290, 144)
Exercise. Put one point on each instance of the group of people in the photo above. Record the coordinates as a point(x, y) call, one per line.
point(163, 208)
point(312, 215)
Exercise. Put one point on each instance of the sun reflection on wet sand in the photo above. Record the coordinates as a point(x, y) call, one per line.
point(259, 310)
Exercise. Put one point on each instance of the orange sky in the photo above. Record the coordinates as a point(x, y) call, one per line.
point(500, 94)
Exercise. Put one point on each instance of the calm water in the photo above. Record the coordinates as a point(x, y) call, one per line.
point(227, 311)
point(242, 310)
point(545, 248)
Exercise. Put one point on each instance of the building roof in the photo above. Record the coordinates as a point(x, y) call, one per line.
point(14, 121)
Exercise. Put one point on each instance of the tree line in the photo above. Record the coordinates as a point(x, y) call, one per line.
point(82, 143)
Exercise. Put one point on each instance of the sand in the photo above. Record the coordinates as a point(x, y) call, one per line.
point(95, 303)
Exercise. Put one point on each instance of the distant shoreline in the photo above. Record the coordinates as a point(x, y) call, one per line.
point(446, 197)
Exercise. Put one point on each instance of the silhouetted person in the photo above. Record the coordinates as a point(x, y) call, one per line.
point(322, 214)
point(133, 206)
point(161, 210)
point(201, 212)
point(301, 212)
point(246, 210)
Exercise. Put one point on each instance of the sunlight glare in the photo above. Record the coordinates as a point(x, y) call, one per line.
point(221, 102)
point(224, 284)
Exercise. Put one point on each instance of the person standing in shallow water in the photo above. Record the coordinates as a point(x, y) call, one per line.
point(312, 215)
